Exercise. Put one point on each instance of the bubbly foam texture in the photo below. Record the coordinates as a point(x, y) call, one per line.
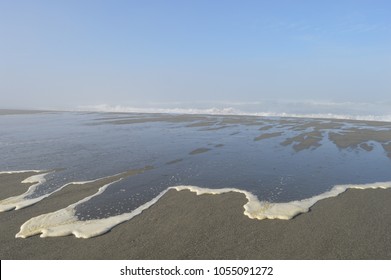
point(256, 209)
point(20, 201)
point(383, 118)
point(20, 171)
point(124, 109)
point(64, 222)
point(342, 108)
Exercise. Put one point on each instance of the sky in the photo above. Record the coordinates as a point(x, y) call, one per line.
point(70, 54)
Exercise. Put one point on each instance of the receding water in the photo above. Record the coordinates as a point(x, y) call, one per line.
point(204, 151)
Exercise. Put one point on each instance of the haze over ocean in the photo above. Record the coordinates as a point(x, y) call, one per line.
point(195, 129)
point(286, 57)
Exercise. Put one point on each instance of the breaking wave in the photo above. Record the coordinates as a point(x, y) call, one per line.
point(350, 111)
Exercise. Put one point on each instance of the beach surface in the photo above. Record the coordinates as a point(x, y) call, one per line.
point(277, 160)
point(21, 112)
point(182, 225)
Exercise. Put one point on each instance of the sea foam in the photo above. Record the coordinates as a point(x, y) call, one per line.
point(329, 111)
point(21, 171)
point(64, 221)
point(20, 201)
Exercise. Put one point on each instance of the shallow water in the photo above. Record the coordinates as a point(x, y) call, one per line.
point(204, 151)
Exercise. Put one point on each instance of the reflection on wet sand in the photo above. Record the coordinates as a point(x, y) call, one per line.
point(311, 131)
point(267, 136)
point(199, 151)
point(304, 141)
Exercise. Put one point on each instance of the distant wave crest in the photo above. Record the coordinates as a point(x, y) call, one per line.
point(237, 112)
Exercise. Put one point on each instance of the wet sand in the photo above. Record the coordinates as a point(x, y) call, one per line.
point(267, 136)
point(14, 180)
point(354, 137)
point(21, 112)
point(199, 151)
point(182, 225)
point(309, 132)
point(304, 141)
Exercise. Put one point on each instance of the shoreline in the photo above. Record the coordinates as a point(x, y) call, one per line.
point(353, 225)
point(322, 117)
point(64, 222)
point(4, 112)
point(187, 225)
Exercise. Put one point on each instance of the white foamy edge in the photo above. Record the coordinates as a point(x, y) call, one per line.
point(21, 171)
point(20, 201)
point(64, 222)
point(231, 111)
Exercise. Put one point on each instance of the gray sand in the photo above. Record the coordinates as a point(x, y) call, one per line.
point(14, 180)
point(304, 141)
point(175, 161)
point(214, 128)
point(21, 112)
point(182, 225)
point(317, 124)
point(310, 131)
point(387, 148)
point(353, 137)
point(267, 136)
point(199, 151)
point(266, 127)
point(201, 124)
point(366, 147)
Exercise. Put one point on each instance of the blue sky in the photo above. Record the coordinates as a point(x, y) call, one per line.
point(63, 54)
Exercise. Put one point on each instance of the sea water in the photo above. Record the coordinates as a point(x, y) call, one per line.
point(202, 153)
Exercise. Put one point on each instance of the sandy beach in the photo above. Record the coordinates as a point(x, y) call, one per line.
point(182, 225)
point(196, 130)
point(22, 112)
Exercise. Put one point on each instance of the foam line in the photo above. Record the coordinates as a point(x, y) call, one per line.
point(236, 112)
point(64, 222)
point(20, 201)
point(21, 171)
point(256, 209)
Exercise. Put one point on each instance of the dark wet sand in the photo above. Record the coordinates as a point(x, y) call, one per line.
point(355, 225)
point(21, 112)
point(304, 141)
point(267, 136)
point(182, 225)
point(175, 161)
point(310, 131)
point(199, 151)
point(14, 180)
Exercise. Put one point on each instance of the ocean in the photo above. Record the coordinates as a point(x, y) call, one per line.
point(282, 164)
